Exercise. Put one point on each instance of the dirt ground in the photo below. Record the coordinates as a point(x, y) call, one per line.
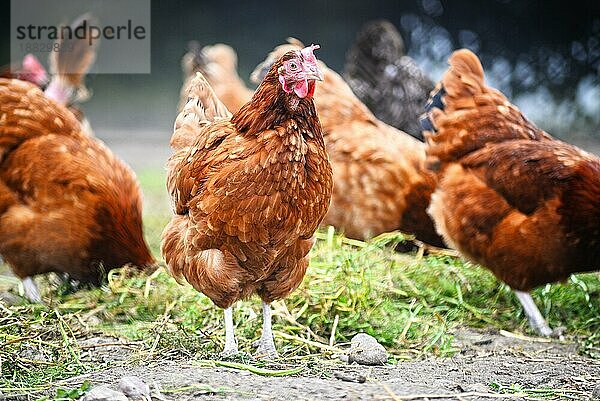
point(546, 370)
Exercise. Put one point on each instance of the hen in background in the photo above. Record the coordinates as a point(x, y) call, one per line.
point(67, 204)
point(380, 183)
point(510, 197)
point(385, 79)
point(218, 64)
point(248, 191)
point(69, 65)
point(30, 70)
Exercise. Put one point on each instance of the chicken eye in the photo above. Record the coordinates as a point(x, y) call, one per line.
point(293, 66)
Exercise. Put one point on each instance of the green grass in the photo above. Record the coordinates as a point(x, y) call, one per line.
point(410, 304)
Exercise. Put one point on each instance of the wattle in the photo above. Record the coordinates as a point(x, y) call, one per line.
point(311, 88)
point(301, 89)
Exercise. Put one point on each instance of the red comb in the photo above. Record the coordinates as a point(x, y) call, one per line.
point(33, 70)
point(307, 52)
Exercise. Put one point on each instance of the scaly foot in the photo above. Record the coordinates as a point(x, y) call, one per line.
point(231, 346)
point(266, 346)
point(266, 349)
point(230, 351)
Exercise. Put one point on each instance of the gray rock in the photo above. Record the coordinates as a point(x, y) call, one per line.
point(365, 350)
point(2, 396)
point(103, 393)
point(134, 388)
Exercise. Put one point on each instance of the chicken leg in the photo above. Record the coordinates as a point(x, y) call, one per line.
point(231, 347)
point(536, 320)
point(31, 291)
point(266, 346)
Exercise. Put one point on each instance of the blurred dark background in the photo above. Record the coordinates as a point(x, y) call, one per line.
point(545, 55)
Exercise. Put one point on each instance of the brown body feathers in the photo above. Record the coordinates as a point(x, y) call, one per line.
point(380, 182)
point(248, 192)
point(510, 197)
point(67, 204)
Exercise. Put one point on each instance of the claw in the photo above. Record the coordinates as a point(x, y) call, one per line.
point(266, 352)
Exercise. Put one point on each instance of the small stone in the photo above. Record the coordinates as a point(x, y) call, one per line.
point(2, 396)
point(365, 350)
point(596, 392)
point(477, 388)
point(103, 393)
point(350, 377)
point(134, 388)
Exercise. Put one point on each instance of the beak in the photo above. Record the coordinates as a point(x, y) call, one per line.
point(317, 76)
point(314, 73)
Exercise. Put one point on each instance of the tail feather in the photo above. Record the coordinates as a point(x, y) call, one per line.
point(70, 65)
point(193, 61)
point(463, 114)
point(463, 80)
point(202, 107)
point(218, 64)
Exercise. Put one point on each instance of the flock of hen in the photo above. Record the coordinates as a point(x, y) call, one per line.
point(254, 173)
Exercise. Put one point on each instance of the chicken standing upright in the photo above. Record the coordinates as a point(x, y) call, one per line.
point(218, 64)
point(248, 191)
point(380, 183)
point(510, 197)
point(388, 81)
point(67, 204)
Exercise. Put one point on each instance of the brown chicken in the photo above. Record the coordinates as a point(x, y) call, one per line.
point(68, 67)
point(218, 64)
point(248, 191)
point(67, 204)
point(510, 197)
point(380, 183)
